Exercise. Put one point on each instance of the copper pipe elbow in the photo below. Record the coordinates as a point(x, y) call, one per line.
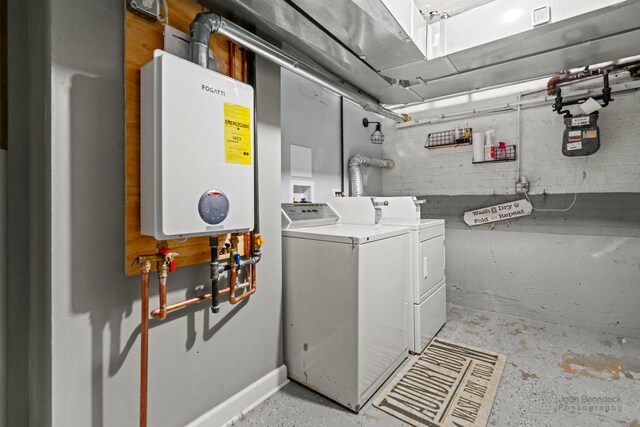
point(552, 83)
point(159, 313)
point(235, 300)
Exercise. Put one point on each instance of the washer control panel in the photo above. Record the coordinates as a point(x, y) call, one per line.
point(299, 215)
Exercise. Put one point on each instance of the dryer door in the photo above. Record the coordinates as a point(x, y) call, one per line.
point(431, 264)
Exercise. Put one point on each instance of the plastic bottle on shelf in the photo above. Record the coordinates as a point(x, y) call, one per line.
point(478, 147)
point(456, 135)
point(489, 137)
point(489, 149)
point(502, 150)
point(466, 134)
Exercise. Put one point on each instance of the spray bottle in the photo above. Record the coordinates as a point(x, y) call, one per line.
point(489, 149)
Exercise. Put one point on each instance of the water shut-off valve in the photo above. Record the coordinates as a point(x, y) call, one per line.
point(252, 244)
point(165, 264)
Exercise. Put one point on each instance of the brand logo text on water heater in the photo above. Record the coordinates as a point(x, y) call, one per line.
point(212, 90)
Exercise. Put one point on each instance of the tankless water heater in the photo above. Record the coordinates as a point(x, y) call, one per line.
point(196, 150)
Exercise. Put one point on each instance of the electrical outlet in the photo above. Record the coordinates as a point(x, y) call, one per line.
point(148, 9)
point(522, 185)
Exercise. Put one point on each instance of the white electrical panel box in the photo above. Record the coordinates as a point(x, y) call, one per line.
point(196, 148)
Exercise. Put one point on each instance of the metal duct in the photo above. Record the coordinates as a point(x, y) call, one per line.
point(207, 23)
point(355, 162)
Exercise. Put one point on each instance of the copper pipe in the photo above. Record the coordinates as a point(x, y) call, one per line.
point(144, 342)
point(247, 252)
point(233, 277)
point(162, 293)
point(249, 244)
point(235, 300)
point(253, 276)
point(244, 65)
point(591, 71)
point(250, 283)
point(182, 304)
point(232, 60)
point(251, 271)
point(255, 266)
point(552, 83)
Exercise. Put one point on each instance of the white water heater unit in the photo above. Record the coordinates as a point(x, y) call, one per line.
point(196, 147)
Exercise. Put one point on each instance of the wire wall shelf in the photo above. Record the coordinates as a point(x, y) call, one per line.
point(509, 155)
point(448, 138)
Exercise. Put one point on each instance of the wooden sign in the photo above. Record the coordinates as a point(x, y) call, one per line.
point(497, 213)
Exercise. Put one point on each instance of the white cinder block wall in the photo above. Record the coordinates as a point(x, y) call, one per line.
point(581, 267)
point(613, 169)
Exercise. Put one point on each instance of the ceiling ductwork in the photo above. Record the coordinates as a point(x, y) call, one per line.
point(379, 46)
point(497, 43)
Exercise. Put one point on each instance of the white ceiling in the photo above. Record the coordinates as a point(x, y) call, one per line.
point(452, 7)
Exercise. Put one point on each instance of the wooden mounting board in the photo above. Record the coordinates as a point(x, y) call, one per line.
point(142, 37)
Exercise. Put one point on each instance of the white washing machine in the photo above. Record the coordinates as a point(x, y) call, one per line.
point(427, 294)
point(344, 320)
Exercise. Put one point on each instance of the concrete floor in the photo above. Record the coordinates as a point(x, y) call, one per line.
point(548, 368)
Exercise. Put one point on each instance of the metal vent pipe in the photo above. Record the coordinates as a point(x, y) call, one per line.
point(207, 23)
point(357, 186)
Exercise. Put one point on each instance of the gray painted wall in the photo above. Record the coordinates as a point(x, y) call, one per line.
point(28, 215)
point(79, 344)
point(311, 118)
point(580, 268)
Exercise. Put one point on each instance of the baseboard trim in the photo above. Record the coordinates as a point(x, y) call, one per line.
point(235, 408)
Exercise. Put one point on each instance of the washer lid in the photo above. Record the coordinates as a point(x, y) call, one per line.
point(398, 207)
point(346, 233)
point(414, 224)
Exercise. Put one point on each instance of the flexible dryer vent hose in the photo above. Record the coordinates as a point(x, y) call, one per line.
point(357, 185)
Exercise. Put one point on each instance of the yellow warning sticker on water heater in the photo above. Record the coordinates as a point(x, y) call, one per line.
point(237, 134)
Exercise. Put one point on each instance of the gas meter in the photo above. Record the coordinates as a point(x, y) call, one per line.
point(581, 134)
